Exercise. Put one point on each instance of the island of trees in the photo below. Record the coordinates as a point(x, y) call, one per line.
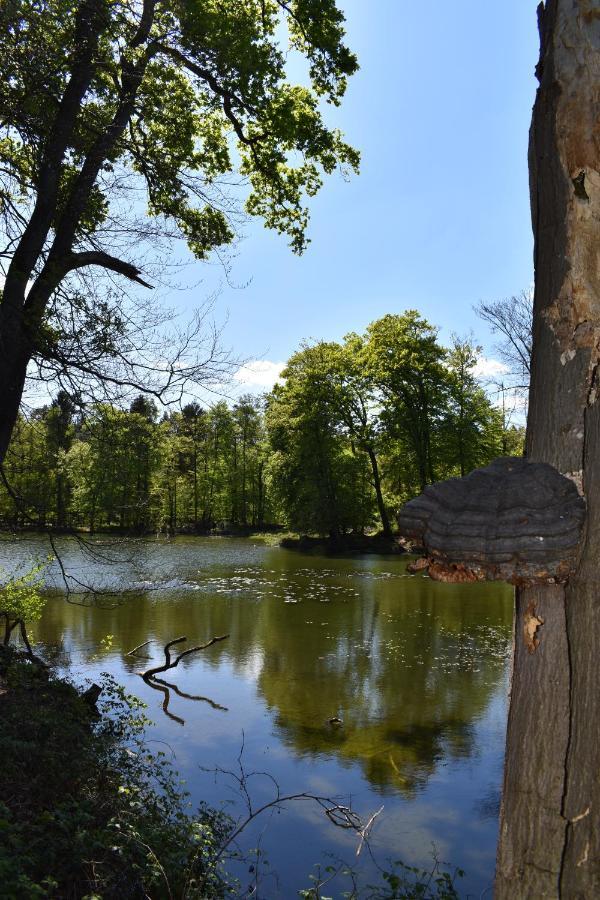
point(353, 430)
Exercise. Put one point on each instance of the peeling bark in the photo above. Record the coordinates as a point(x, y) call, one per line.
point(550, 820)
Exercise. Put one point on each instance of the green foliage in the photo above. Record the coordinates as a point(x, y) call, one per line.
point(20, 598)
point(405, 882)
point(124, 469)
point(321, 485)
point(126, 129)
point(513, 440)
point(470, 432)
point(223, 68)
point(356, 429)
point(87, 809)
point(360, 427)
point(407, 365)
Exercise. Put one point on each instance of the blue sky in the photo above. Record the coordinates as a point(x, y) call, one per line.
point(439, 216)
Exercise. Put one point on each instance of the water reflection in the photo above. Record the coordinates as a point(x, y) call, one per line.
point(407, 665)
point(407, 675)
point(165, 688)
point(414, 670)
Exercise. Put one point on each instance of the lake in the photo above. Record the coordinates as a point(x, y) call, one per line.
point(416, 671)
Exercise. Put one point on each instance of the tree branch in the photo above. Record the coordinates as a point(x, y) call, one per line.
point(100, 258)
point(49, 277)
point(170, 664)
point(209, 78)
point(145, 23)
point(90, 20)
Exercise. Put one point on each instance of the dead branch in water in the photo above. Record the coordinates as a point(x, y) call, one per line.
point(134, 652)
point(365, 830)
point(339, 814)
point(169, 663)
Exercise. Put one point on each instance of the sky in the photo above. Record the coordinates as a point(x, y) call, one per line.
point(439, 217)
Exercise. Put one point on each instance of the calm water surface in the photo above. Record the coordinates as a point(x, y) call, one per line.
point(417, 671)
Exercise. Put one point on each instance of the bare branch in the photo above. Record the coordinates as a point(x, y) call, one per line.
point(139, 647)
point(170, 664)
point(512, 319)
point(99, 258)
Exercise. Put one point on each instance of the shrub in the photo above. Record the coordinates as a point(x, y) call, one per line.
point(88, 811)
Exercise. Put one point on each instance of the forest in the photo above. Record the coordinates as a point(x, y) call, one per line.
point(353, 430)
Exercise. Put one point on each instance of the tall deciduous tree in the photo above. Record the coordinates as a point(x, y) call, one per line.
point(107, 106)
point(359, 408)
point(406, 363)
point(550, 824)
point(319, 481)
point(471, 428)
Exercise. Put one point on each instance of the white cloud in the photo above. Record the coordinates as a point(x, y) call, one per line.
point(488, 368)
point(513, 399)
point(260, 373)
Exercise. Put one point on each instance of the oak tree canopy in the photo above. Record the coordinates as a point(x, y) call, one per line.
point(120, 125)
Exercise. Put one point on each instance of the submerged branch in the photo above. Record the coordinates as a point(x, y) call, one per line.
point(165, 687)
point(139, 647)
point(170, 664)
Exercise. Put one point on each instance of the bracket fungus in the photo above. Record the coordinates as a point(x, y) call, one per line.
point(514, 520)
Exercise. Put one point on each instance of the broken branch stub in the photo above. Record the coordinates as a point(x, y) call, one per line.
point(513, 520)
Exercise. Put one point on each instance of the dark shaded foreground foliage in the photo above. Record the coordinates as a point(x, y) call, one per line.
point(86, 811)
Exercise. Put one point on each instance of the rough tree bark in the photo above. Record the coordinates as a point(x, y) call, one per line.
point(550, 820)
point(383, 513)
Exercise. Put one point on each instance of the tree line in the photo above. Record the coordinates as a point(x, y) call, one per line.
point(354, 429)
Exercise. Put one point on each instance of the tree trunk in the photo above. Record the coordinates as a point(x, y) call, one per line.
point(15, 353)
point(550, 822)
point(383, 515)
point(60, 501)
point(260, 497)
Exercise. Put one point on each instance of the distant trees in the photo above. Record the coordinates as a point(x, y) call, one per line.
point(471, 430)
point(354, 429)
point(124, 469)
point(319, 481)
point(406, 363)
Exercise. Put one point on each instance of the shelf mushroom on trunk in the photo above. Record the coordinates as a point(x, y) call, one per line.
point(513, 520)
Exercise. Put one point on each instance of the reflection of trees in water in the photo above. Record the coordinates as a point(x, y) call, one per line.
point(408, 670)
point(407, 664)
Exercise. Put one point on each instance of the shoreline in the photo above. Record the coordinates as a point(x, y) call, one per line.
point(343, 545)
